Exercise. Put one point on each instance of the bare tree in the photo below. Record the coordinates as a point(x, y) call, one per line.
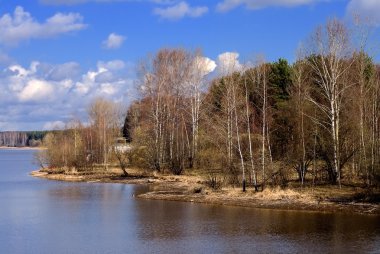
point(165, 82)
point(261, 72)
point(195, 86)
point(330, 60)
point(105, 119)
point(301, 154)
point(248, 114)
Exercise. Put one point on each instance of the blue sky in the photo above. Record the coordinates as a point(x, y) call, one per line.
point(56, 55)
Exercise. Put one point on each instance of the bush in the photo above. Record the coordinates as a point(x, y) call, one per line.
point(176, 167)
point(138, 157)
point(214, 181)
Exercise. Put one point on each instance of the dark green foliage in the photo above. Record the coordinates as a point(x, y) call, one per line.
point(216, 95)
point(36, 135)
point(127, 128)
point(280, 80)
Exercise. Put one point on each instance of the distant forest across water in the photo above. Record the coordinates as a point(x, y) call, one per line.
point(22, 138)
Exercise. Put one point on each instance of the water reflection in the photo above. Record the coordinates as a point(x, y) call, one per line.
point(39, 216)
point(230, 228)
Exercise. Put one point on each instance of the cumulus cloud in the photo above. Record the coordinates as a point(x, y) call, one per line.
point(53, 125)
point(228, 62)
point(22, 26)
point(37, 91)
point(227, 5)
point(369, 9)
point(107, 89)
point(108, 79)
point(41, 93)
point(180, 10)
point(204, 65)
point(114, 41)
point(19, 71)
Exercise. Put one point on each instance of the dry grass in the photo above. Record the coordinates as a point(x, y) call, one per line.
point(269, 194)
point(192, 187)
point(280, 194)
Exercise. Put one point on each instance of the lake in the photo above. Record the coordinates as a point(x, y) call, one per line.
point(42, 216)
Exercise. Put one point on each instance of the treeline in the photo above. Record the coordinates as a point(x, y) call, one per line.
point(87, 147)
point(21, 138)
point(263, 122)
point(315, 121)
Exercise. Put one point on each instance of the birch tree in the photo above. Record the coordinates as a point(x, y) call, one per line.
point(105, 119)
point(302, 132)
point(330, 60)
point(166, 80)
point(196, 87)
point(248, 122)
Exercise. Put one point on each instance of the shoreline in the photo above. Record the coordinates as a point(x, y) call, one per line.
point(191, 189)
point(21, 148)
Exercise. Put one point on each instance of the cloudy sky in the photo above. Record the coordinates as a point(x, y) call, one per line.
point(56, 55)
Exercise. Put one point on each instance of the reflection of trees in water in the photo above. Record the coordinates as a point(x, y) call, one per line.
point(234, 228)
point(193, 228)
point(161, 220)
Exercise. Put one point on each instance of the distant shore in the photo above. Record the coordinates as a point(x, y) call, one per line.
point(21, 148)
point(189, 188)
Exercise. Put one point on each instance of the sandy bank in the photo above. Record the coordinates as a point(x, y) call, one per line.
point(192, 189)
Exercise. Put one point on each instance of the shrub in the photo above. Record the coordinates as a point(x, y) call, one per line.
point(214, 181)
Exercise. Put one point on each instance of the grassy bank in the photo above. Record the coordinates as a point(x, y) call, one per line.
point(194, 188)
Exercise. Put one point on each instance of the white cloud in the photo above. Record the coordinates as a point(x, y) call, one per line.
point(227, 5)
point(180, 10)
point(204, 65)
point(113, 65)
point(22, 26)
point(37, 91)
point(369, 9)
point(107, 89)
point(84, 86)
point(18, 70)
point(106, 80)
point(114, 41)
point(54, 125)
point(228, 62)
point(32, 96)
point(64, 71)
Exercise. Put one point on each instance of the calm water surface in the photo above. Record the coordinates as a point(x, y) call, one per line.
point(41, 216)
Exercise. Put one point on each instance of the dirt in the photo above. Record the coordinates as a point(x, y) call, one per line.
point(190, 188)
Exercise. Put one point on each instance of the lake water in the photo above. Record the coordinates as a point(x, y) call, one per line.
point(42, 216)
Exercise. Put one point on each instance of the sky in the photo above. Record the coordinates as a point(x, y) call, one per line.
point(58, 55)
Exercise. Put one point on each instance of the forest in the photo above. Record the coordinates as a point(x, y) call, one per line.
point(314, 121)
point(21, 138)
